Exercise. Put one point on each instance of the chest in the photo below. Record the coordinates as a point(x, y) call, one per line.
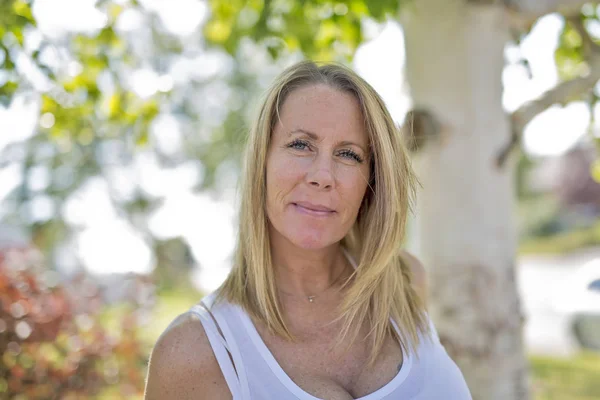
point(319, 367)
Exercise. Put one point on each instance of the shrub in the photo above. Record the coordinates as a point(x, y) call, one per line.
point(53, 343)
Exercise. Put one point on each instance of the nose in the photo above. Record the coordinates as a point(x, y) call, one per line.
point(321, 175)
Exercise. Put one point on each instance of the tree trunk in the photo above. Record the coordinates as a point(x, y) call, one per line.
point(467, 238)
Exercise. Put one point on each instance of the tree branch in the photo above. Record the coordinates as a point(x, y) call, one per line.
point(533, 9)
point(564, 91)
point(560, 94)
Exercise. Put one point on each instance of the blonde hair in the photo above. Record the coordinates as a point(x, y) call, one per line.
point(380, 287)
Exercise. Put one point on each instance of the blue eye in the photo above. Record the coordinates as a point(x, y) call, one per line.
point(298, 145)
point(352, 155)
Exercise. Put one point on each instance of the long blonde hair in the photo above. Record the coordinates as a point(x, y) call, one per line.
point(380, 287)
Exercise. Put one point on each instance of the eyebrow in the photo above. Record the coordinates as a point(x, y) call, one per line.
point(315, 137)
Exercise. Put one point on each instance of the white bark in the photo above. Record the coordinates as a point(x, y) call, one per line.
point(467, 238)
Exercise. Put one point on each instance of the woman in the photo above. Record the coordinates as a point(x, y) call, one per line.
point(321, 303)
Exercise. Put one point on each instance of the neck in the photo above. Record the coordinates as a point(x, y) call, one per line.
point(307, 272)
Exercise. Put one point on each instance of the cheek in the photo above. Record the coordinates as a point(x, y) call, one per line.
point(352, 187)
point(353, 182)
point(283, 174)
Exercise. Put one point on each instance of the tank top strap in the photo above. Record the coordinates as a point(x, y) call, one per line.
point(225, 314)
point(221, 350)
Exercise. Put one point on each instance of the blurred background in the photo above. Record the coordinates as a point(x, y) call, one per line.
point(121, 129)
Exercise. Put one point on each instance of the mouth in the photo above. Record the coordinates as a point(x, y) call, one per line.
point(313, 209)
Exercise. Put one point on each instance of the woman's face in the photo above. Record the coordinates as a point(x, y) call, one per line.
point(317, 167)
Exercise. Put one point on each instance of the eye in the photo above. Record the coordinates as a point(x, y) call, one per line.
point(347, 153)
point(298, 145)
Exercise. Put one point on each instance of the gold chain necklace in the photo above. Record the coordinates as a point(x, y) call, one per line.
point(311, 299)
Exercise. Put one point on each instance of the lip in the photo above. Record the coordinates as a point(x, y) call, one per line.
point(313, 209)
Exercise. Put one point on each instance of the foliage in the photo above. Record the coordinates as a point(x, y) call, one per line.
point(563, 242)
point(576, 56)
point(52, 344)
point(91, 124)
point(323, 30)
point(15, 16)
point(576, 378)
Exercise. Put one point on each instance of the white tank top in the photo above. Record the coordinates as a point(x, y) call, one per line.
point(257, 375)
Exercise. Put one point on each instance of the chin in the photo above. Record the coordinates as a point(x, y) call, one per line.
point(308, 236)
point(313, 240)
point(309, 244)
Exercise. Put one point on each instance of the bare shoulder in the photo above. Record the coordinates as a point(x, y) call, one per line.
point(419, 275)
point(183, 366)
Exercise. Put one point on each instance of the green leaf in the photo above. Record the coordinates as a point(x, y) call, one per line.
point(321, 29)
point(379, 9)
point(18, 32)
point(21, 8)
point(8, 89)
point(569, 56)
point(217, 31)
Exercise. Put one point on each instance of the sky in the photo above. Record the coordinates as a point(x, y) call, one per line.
point(108, 245)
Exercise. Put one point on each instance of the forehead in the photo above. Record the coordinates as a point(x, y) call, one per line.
point(324, 110)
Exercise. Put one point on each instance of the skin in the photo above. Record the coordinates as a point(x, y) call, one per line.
point(319, 155)
point(314, 160)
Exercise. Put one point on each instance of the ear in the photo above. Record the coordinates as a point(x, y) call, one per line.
point(419, 275)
